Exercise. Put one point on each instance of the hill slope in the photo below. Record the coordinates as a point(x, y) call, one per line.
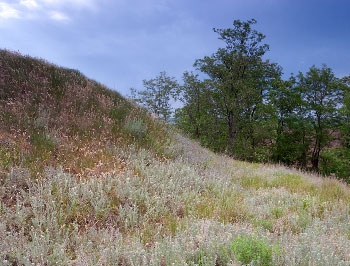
point(87, 178)
point(56, 116)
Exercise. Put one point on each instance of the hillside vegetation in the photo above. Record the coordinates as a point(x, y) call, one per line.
point(88, 178)
point(55, 116)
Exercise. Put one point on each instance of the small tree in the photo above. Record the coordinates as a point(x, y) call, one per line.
point(158, 95)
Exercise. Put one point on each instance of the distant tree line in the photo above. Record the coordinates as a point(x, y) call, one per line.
point(244, 108)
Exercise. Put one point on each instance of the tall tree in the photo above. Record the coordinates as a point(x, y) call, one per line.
point(321, 92)
point(240, 76)
point(292, 142)
point(158, 95)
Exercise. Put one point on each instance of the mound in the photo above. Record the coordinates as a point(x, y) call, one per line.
point(52, 116)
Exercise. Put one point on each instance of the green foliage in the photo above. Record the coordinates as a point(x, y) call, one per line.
point(321, 96)
point(248, 249)
point(336, 162)
point(205, 257)
point(345, 114)
point(292, 141)
point(242, 83)
point(192, 117)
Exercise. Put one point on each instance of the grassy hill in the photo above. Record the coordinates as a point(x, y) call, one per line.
point(55, 116)
point(88, 178)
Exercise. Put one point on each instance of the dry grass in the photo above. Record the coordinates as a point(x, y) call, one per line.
point(56, 116)
point(129, 192)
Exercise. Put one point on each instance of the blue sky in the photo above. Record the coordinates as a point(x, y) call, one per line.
point(121, 42)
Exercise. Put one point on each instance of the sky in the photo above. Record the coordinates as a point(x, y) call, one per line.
point(119, 43)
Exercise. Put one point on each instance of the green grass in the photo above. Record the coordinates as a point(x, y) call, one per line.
point(247, 249)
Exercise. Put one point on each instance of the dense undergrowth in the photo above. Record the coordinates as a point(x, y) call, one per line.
point(87, 178)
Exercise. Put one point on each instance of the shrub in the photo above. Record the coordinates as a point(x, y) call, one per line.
point(248, 249)
point(136, 127)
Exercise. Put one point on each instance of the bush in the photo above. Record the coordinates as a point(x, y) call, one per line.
point(247, 249)
point(136, 127)
point(336, 162)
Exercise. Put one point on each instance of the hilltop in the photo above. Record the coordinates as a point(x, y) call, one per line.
point(89, 178)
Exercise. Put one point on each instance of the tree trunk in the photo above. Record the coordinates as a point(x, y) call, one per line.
point(303, 158)
point(316, 154)
point(231, 135)
point(198, 115)
point(317, 148)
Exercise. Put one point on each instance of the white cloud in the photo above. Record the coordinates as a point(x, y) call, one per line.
point(39, 9)
point(30, 4)
point(69, 3)
point(7, 11)
point(59, 16)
